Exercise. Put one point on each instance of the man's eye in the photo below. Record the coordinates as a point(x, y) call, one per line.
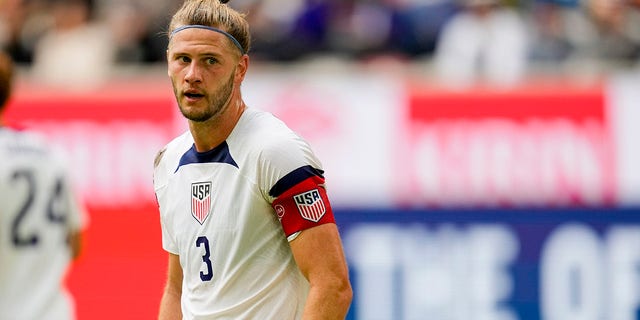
point(184, 59)
point(212, 61)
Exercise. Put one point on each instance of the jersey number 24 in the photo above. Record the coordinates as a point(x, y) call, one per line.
point(54, 211)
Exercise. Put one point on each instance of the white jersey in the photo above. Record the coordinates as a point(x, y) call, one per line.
point(37, 211)
point(217, 214)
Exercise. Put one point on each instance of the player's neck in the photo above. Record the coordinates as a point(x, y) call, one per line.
point(209, 134)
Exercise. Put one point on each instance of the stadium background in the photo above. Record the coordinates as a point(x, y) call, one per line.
point(477, 200)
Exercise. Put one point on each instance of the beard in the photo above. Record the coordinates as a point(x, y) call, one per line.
point(219, 100)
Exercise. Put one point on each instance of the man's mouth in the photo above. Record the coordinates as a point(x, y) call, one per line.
point(193, 95)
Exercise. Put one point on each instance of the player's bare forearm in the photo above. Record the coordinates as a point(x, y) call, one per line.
point(318, 252)
point(327, 303)
point(170, 308)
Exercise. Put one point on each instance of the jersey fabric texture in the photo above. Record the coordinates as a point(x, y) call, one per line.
point(37, 210)
point(228, 212)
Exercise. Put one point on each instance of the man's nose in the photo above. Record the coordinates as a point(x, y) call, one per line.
point(193, 73)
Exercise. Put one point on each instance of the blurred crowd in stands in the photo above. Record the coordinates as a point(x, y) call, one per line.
point(499, 40)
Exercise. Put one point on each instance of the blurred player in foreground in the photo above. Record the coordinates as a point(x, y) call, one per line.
point(244, 211)
point(40, 222)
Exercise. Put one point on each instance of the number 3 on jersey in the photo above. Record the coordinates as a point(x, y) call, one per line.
point(203, 241)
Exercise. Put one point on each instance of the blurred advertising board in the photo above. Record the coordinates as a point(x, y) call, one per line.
point(494, 264)
point(624, 98)
point(538, 145)
point(433, 188)
point(384, 141)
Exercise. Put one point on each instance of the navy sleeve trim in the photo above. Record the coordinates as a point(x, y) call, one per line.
point(293, 178)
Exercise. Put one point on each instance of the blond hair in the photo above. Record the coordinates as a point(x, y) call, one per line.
point(213, 13)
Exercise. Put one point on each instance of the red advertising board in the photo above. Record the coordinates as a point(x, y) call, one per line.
point(539, 145)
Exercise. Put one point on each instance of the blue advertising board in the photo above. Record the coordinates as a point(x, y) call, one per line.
point(493, 264)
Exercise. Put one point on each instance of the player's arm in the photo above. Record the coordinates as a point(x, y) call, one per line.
point(170, 303)
point(319, 255)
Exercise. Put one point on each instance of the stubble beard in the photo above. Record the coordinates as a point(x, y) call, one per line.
point(217, 106)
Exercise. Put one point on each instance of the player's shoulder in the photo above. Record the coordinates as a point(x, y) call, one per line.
point(21, 136)
point(169, 155)
point(264, 136)
point(264, 129)
point(25, 143)
point(20, 149)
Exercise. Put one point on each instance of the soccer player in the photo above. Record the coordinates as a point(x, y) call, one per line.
point(244, 211)
point(40, 222)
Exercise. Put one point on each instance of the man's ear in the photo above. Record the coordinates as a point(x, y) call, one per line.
point(241, 70)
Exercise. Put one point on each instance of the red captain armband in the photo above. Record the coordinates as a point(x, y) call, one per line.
point(303, 206)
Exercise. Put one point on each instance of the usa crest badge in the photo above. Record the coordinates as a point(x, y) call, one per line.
point(310, 205)
point(200, 200)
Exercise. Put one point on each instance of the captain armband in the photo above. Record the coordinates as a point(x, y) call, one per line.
point(303, 206)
